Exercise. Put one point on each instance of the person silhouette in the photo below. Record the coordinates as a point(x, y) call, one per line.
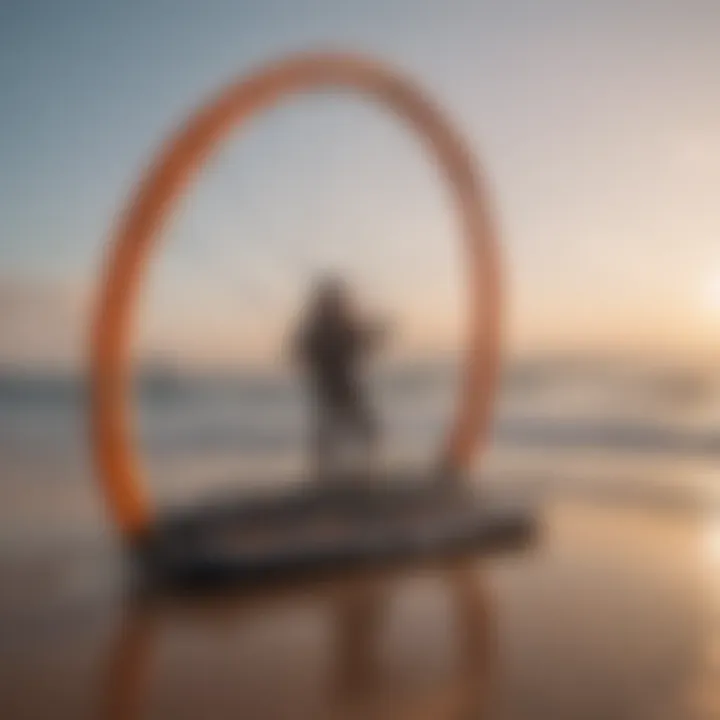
point(332, 347)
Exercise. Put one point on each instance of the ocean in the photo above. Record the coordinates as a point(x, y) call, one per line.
point(609, 432)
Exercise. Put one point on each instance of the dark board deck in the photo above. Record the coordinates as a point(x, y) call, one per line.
point(327, 527)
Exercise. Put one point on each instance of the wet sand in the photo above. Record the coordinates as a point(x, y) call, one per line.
point(612, 615)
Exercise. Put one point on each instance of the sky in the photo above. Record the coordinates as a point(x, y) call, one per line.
point(596, 125)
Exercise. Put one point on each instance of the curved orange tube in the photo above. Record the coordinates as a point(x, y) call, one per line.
point(169, 175)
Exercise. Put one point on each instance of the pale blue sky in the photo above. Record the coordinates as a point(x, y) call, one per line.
point(598, 123)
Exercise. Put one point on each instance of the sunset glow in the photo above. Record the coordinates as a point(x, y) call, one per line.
point(712, 295)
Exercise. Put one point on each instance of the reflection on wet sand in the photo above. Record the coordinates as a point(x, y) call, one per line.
point(358, 669)
point(614, 616)
point(353, 676)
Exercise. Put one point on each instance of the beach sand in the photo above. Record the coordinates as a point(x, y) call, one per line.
point(613, 614)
